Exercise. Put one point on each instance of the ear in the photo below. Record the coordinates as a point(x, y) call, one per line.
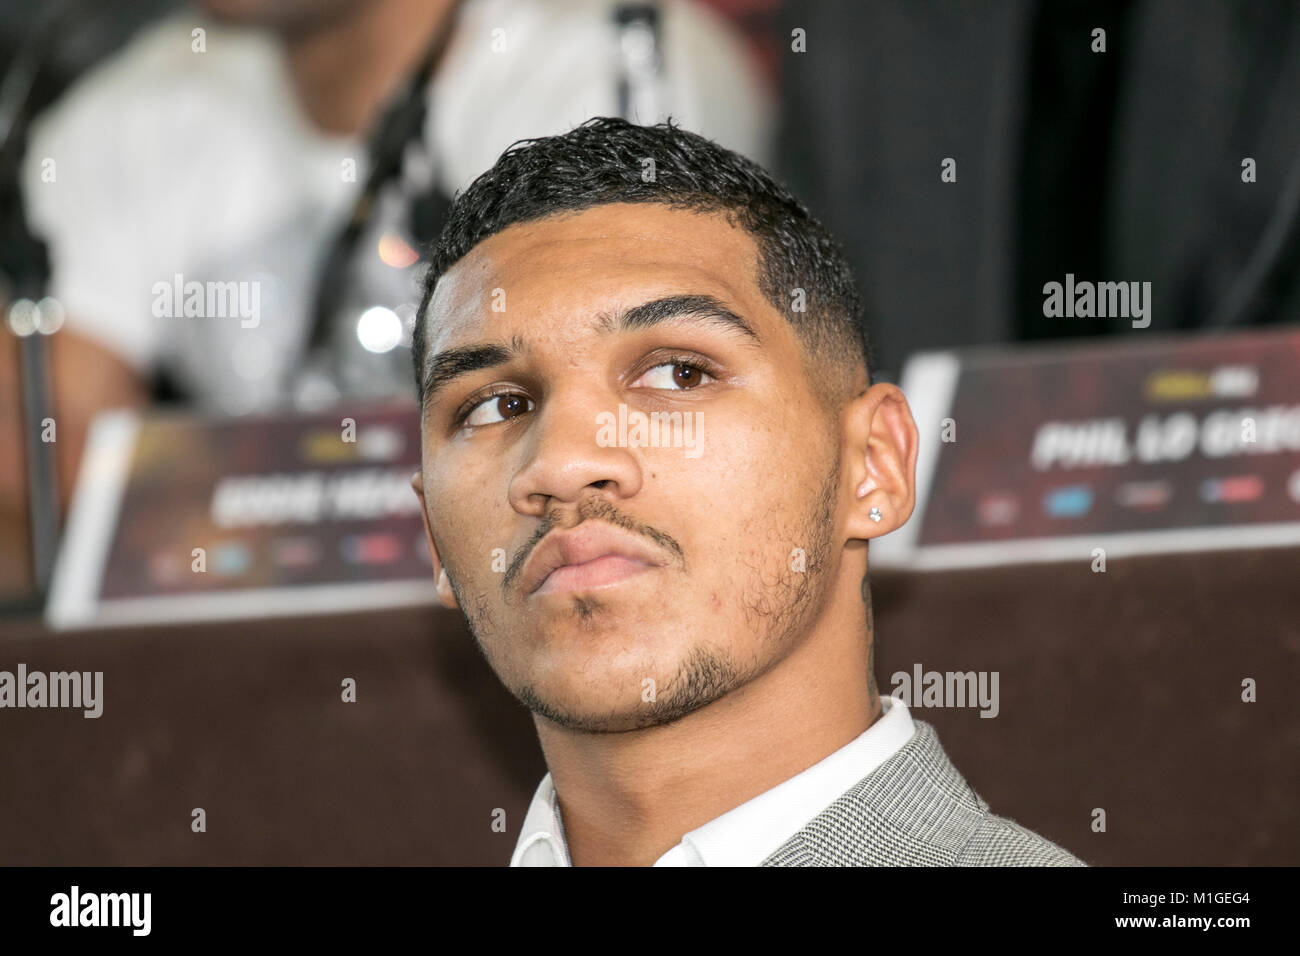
point(445, 593)
point(881, 441)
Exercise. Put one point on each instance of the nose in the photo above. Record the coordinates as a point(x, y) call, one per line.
point(566, 457)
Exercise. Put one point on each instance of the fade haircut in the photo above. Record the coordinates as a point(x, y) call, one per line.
point(602, 162)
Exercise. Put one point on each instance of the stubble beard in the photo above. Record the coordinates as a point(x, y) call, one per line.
point(780, 610)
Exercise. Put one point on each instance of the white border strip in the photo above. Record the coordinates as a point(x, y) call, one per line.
point(84, 545)
point(1079, 547)
point(310, 600)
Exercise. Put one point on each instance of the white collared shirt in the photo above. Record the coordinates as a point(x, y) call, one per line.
point(748, 834)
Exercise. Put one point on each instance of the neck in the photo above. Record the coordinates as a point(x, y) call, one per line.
point(628, 798)
point(345, 68)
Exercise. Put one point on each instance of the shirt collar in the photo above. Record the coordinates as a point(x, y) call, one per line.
point(751, 832)
point(541, 842)
point(748, 834)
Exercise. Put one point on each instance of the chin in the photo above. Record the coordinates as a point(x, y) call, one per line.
point(584, 715)
point(631, 691)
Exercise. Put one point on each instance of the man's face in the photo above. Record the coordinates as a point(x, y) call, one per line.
point(727, 524)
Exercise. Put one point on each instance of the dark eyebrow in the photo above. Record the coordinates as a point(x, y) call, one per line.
point(445, 367)
point(704, 307)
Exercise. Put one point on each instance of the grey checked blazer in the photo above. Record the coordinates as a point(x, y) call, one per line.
point(916, 809)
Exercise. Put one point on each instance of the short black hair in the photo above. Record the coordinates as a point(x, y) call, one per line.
point(605, 160)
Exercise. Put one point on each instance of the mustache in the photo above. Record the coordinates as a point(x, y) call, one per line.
point(590, 509)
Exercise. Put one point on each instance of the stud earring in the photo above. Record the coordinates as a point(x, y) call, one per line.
point(874, 514)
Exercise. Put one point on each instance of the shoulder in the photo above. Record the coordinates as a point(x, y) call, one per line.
point(916, 809)
point(999, 841)
point(149, 119)
point(165, 76)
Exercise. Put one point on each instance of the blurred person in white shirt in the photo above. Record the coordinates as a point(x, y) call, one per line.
point(228, 144)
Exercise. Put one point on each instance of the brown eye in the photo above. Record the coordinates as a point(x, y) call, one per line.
point(681, 376)
point(686, 375)
point(502, 406)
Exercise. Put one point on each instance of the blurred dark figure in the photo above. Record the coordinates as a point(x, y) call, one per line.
point(1123, 165)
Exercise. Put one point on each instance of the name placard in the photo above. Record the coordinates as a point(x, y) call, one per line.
point(1152, 444)
point(178, 517)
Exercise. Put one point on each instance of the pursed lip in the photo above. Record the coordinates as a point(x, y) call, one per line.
point(586, 542)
